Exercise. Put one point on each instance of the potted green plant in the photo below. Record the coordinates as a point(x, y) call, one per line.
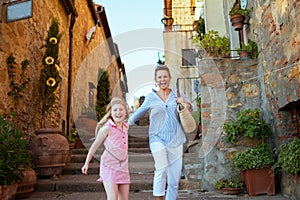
point(255, 165)
point(248, 123)
point(14, 157)
point(248, 50)
point(289, 158)
point(49, 148)
point(238, 15)
point(213, 44)
point(229, 186)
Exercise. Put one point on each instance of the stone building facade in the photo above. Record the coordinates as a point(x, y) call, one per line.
point(83, 58)
point(270, 82)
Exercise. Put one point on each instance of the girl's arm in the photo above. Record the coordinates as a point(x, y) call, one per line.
point(102, 134)
point(140, 112)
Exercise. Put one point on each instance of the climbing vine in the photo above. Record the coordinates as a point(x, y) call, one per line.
point(17, 86)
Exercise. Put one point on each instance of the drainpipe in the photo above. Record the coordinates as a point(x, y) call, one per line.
point(72, 22)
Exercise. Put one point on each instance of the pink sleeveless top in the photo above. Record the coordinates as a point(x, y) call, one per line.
point(114, 160)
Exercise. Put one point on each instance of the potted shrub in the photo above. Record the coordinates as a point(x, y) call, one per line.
point(49, 148)
point(14, 158)
point(229, 186)
point(238, 15)
point(248, 123)
point(255, 165)
point(288, 166)
point(248, 50)
point(255, 161)
point(213, 44)
point(289, 158)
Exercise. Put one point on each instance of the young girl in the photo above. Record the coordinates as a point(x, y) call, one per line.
point(113, 133)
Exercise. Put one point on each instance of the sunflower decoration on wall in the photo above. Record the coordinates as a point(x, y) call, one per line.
point(49, 78)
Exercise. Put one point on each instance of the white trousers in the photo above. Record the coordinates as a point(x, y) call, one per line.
point(168, 166)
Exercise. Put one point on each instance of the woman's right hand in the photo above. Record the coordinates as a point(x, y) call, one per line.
point(84, 169)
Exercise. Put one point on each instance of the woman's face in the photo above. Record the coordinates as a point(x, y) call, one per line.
point(118, 112)
point(163, 79)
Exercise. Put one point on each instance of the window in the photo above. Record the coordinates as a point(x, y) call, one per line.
point(188, 57)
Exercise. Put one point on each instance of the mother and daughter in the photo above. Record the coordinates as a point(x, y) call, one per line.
point(166, 138)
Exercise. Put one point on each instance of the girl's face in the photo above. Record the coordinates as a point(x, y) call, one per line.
point(163, 79)
point(118, 113)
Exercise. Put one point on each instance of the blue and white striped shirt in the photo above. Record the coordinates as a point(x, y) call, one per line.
point(164, 121)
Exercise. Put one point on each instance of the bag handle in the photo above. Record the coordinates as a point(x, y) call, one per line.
point(180, 106)
point(177, 86)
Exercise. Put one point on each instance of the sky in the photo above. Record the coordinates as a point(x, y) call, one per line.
point(136, 27)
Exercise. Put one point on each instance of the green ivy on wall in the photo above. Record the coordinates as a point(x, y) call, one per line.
point(17, 86)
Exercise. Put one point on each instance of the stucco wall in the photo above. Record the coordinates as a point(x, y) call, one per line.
point(25, 37)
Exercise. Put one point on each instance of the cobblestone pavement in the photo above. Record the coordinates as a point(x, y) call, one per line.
point(147, 195)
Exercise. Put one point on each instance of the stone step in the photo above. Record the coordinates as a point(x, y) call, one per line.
point(138, 131)
point(141, 144)
point(84, 151)
point(88, 183)
point(133, 157)
point(137, 139)
point(134, 167)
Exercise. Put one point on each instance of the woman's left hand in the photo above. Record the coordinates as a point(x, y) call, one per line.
point(180, 100)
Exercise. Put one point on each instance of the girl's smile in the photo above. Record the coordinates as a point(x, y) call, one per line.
point(118, 113)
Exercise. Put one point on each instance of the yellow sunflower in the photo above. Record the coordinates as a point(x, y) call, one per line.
point(49, 60)
point(57, 67)
point(51, 82)
point(53, 40)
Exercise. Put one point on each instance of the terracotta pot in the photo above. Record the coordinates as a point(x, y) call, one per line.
point(26, 186)
point(8, 192)
point(259, 181)
point(229, 191)
point(244, 55)
point(50, 152)
point(237, 21)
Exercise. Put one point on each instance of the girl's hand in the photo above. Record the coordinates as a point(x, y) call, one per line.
point(84, 169)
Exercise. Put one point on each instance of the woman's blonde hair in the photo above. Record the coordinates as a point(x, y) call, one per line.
point(107, 116)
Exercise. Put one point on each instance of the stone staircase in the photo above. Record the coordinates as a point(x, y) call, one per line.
point(141, 168)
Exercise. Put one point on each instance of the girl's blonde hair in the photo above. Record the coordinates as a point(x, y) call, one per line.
point(107, 116)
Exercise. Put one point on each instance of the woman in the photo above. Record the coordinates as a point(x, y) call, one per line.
point(166, 136)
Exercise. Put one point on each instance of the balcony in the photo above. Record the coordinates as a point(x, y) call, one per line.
point(181, 18)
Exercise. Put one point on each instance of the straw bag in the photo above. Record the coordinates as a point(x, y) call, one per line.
point(187, 121)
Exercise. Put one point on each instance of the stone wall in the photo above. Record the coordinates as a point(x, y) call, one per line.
point(227, 87)
point(24, 38)
point(270, 83)
point(276, 26)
